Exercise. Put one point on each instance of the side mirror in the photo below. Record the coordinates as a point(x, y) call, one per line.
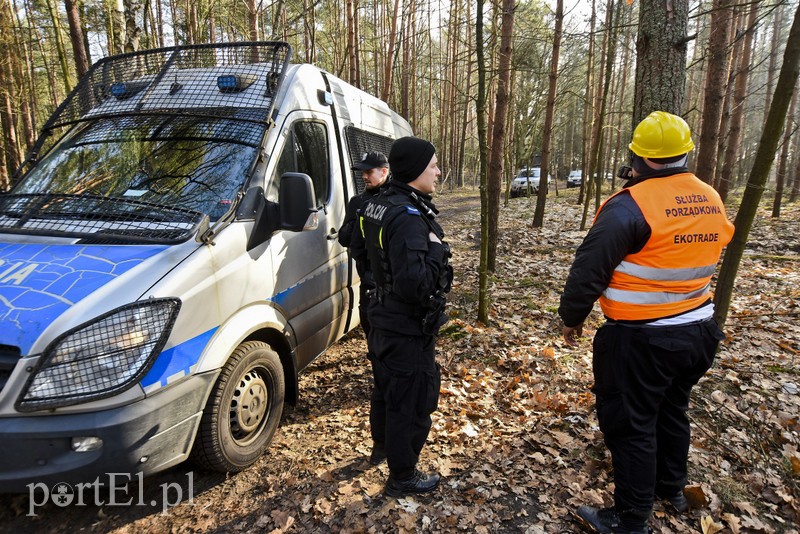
point(296, 203)
point(255, 207)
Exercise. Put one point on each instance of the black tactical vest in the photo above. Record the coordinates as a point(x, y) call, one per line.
point(375, 214)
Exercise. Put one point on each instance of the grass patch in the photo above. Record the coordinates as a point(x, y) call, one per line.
point(730, 491)
point(453, 331)
point(781, 369)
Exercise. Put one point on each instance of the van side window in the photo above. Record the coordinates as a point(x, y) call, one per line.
point(358, 143)
point(306, 151)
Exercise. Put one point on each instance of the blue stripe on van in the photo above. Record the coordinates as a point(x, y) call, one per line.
point(40, 282)
point(177, 361)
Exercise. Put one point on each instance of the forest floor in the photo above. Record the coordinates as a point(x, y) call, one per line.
point(515, 436)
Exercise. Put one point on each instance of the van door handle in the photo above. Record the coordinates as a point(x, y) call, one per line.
point(333, 235)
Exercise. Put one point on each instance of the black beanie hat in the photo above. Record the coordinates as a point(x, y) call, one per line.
point(409, 157)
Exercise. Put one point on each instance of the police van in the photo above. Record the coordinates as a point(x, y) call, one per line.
point(169, 260)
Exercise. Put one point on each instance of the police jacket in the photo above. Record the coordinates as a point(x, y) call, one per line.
point(650, 253)
point(348, 239)
point(408, 268)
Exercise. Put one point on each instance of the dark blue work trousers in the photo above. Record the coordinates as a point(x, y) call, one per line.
point(405, 394)
point(643, 379)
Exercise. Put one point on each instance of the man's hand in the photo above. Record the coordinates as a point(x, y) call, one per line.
point(433, 237)
point(571, 333)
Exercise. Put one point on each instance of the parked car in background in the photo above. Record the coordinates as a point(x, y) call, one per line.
point(527, 181)
point(575, 178)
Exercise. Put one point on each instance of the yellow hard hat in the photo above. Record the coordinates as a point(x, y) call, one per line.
point(661, 135)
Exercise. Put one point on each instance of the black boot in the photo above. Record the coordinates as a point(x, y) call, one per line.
point(378, 455)
point(419, 482)
point(677, 500)
point(609, 521)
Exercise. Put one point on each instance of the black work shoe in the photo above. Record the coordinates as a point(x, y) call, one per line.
point(678, 501)
point(607, 521)
point(378, 454)
point(418, 483)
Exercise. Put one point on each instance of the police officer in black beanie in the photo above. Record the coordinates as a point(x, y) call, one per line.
point(409, 262)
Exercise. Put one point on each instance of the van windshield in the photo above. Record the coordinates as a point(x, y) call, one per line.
point(195, 163)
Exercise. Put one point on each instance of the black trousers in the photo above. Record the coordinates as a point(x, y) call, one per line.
point(405, 394)
point(643, 379)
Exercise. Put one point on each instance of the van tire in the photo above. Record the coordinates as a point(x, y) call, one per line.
point(243, 411)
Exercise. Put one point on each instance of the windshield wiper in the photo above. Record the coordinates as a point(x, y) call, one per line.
point(82, 216)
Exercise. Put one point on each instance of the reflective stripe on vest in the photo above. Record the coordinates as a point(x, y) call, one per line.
point(655, 297)
point(672, 273)
point(655, 273)
point(380, 232)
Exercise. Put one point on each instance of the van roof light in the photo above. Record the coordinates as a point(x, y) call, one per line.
point(234, 83)
point(123, 90)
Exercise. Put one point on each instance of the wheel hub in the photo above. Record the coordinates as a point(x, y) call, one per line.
point(249, 405)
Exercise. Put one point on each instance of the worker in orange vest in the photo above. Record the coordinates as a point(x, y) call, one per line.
point(648, 259)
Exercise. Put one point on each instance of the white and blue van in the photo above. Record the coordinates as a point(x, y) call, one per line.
point(169, 260)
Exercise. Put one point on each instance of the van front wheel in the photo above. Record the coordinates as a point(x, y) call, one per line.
point(243, 411)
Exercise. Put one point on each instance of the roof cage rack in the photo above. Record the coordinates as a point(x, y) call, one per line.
point(238, 81)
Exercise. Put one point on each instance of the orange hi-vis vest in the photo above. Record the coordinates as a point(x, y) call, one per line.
point(672, 273)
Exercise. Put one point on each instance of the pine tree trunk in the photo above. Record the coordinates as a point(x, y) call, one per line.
point(76, 38)
point(117, 21)
point(756, 182)
point(773, 54)
point(133, 10)
point(466, 105)
point(660, 57)
point(547, 134)
point(160, 23)
point(252, 19)
point(84, 30)
point(595, 165)
point(212, 23)
point(725, 120)
point(62, 54)
point(732, 148)
point(795, 181)
point(25, 73)
point(387, 67)
point(780, 178)
point(496, 160)
point(588, 120)
point(8, 96)
point(623, 78)
point(357, 45)
point(696, 70)
point(483, 270)
point(404, 72)
point(716, 73)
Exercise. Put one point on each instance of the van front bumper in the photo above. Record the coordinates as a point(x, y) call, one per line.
point(142, 437)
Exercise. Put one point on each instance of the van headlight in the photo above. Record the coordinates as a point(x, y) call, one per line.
point(100, 358)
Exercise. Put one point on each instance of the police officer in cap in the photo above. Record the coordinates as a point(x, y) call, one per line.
point(374, 169)
point(409, 262)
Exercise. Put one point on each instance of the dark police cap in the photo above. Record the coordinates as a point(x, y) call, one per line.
point(371, 160)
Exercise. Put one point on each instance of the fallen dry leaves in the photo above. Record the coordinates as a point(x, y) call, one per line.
point(515, 435)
